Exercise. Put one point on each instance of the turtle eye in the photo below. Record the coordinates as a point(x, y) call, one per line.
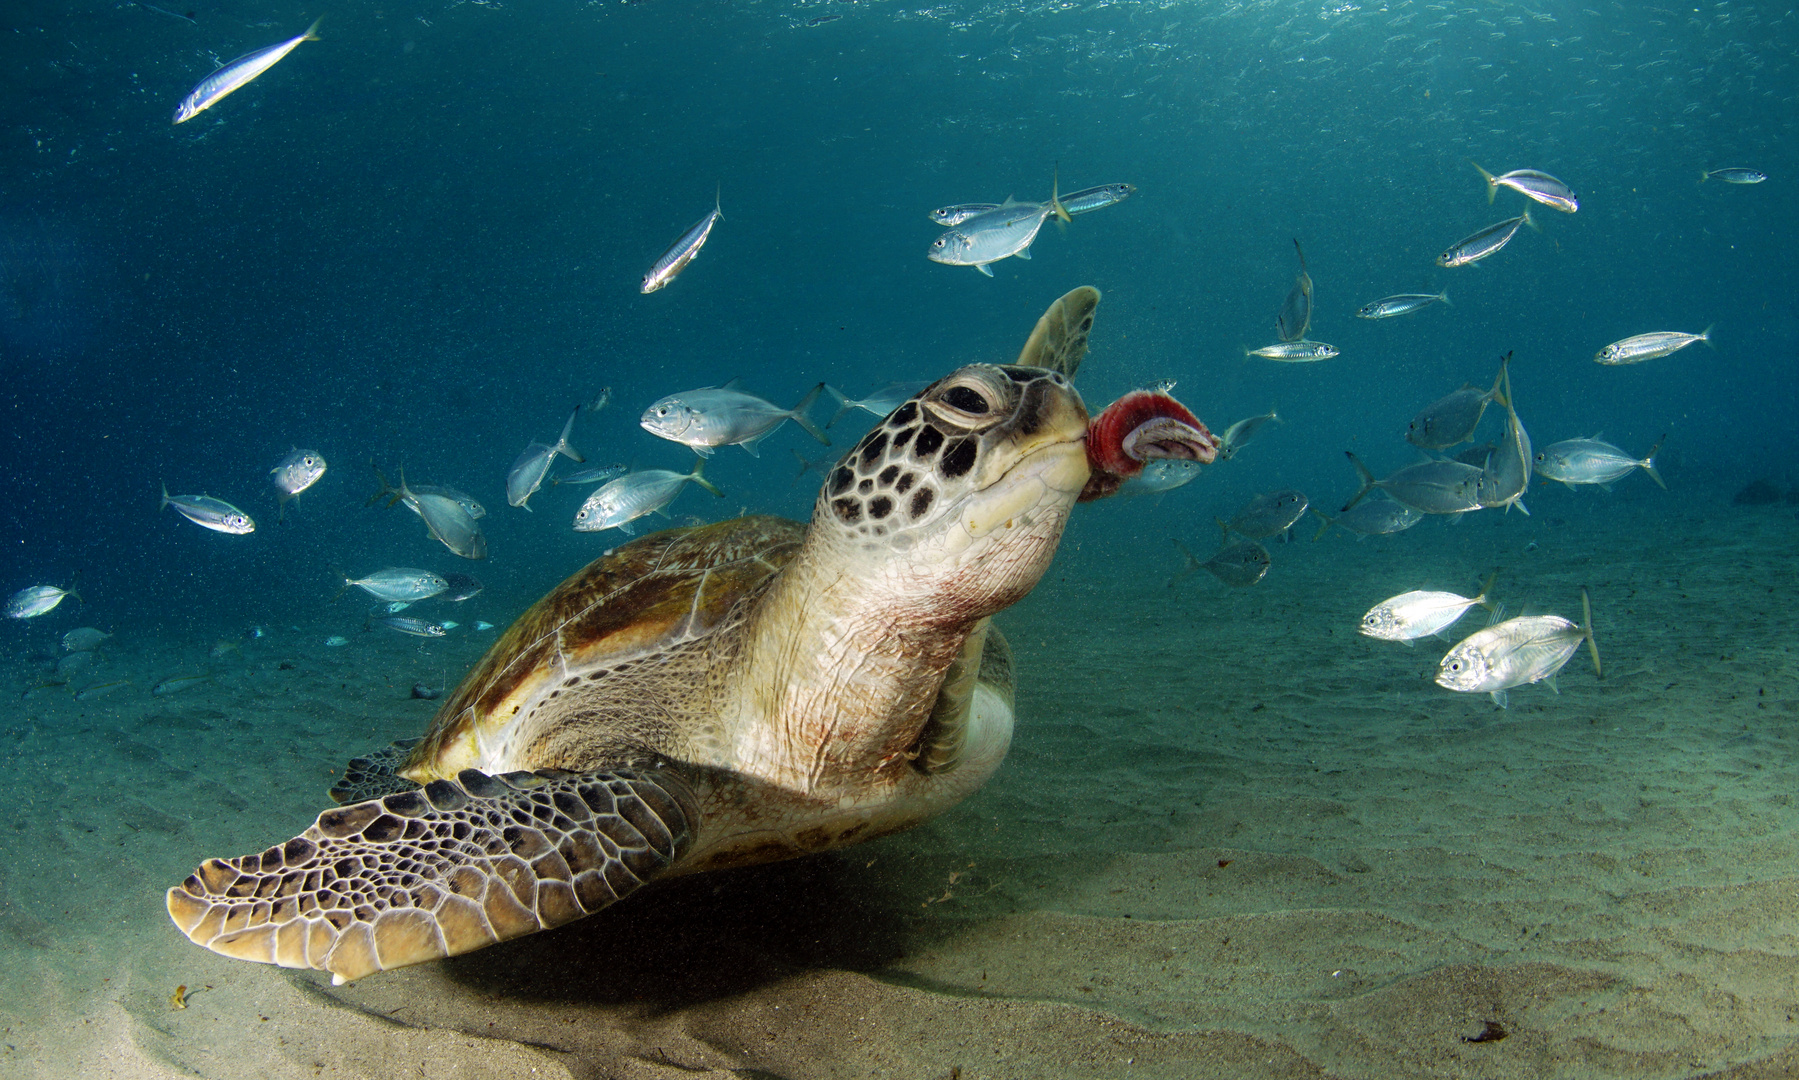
point(966, 398)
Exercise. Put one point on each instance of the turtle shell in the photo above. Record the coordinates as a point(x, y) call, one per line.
point(645, 600)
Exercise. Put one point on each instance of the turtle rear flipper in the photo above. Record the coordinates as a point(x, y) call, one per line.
point(375, 774)
point(454, 867)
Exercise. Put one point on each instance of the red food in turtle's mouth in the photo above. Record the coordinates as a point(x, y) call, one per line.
point(1142, 426)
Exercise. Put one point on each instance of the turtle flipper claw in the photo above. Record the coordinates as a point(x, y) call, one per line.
point(445, 870)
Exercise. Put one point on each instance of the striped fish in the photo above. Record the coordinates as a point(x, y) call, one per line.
point(682, 251)
point(238, 74)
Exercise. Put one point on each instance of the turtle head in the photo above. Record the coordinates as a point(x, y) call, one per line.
point(959, 496)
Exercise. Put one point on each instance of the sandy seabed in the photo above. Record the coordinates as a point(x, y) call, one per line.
point(1233, 839)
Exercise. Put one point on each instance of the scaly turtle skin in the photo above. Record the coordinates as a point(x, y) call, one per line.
point(701, 698)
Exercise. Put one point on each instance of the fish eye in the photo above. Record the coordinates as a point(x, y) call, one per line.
point(937, 243)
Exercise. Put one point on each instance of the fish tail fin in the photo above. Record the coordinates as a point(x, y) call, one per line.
point(562, 446)
point(698, 476)
point(1502, 382)
point(1186, 571)
point(1302, 257)
point(1485, 599)
point(1704, 176)
point(1323, 528)
point(164, 505)
point(1586, 629)
point(1648, 463)
point(798, 414)
point(1366, 477)
point(1706, 334)
point(1531, 221)
point(1224, 529)
point(1492, 188)
point(386, 488)
point(718, 201)
point(341, 589)
point(805, 466)
point(843, 406)
point(1055, 198)
point(312, 32)
point(1443, 297)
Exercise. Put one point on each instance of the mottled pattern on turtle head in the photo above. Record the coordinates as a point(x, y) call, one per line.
point(940, 445)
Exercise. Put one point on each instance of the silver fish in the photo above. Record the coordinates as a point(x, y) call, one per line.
point(1506, 476)
point(1160, 475)
point(1589, 461)
point(600, 400)
point(597, 475)
point(1266, 515)
point(1239, 565)
point(1376, 517)
point(633, 495)
point(1295, 352)
point(1532, 184)
point(1735, 176)
point(997, 234)
point(1084, 201)
point(1295, 316)
point(215, 514)
point(1451, 419)
point(1635, 350)
point(174, 684)
point(475, 509)
point(527, 472)
point(716, 416)
point(447, 516)
point(238, 74)
point(682, 251)
point(405, 624)
point(460, 587)
point(295, 473)
point(400, 583)
point(1485, 242)
point(1237, 436)
point(1476, 455)
point(1401, 304)
point(1429, 487)
point(881, 402)
point(34, 601)
point(83, 639)
point(88, 693)
point(74, 664)
point(1418, 613)
point(1516, 652)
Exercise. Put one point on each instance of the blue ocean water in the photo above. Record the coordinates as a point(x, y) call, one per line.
point(418, 242)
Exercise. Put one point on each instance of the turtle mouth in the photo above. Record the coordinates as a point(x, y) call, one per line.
point(1047, 477)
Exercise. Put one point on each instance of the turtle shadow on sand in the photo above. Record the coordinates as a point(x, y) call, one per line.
point(691, 940)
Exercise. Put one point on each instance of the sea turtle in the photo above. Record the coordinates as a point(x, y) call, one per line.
point(704, 697)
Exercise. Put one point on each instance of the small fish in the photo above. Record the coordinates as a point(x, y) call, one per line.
point(1635, 350)
point(394, 607)
point(1417, 614)
point(1239, 566)
point(459, 587)
point(421, 692)
point(1266, 515)
point(223, 649)
point(73, 664)
point(400, 583)
point(715, 416)
point(215, 514)
point(37, 689)
point(88, 693)
point(881, 402)
point(997, 234)
point(34, 601)
point(295, 473)
point(527, 472)
point(1506, 475)
point(1532, 184)
point(1401, 304)
point(1237, 436)
point(83, 639)
point(237, 74)
point(821, 20)
point(473, 508)
point(1084, 201)
point(1295, 352)
point(174, 684)
point(1163, 474)
point(633, 495)
point(682, 251)
point(951, 216)
point(1295, 316)
point(1589, 461)
point(1735, 176)
point(406, 624)
point(597, 475)
point(337, 640)
point(1485, 242)
point(1451, 419)
point(1429, 487)
point(1516, 652)
point(482, 625)
point(600, 400)
point(449, 624)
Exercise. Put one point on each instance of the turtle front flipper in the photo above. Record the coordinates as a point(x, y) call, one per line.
point(449, 869)
point(375, 774)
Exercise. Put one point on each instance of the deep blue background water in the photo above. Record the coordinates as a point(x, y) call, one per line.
point(419, 240)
